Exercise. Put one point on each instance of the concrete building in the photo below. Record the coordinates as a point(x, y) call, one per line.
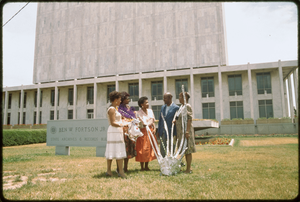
point(84, 51)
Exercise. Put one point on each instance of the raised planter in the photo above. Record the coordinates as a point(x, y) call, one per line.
point(287, 120)
point(296, 120)
point(237, 122)
point(7, 126)
point(39, 126)
point(273, 121)
point(22, 127)
point(261, 121)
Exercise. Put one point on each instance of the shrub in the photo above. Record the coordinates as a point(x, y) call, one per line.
point(273, 118)
point(237, 119)
point(13, 137)
point(249, 119)
point(286, 117)
point(261, 118)
point(225, 119)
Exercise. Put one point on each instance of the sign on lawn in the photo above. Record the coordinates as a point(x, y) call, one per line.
point(79, 133)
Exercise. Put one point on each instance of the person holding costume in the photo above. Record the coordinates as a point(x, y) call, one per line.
point(115, 146)
point(128, 113)
point(144, 150)
point(188, 134)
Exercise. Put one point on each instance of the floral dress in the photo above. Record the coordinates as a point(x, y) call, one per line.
point(191, 141)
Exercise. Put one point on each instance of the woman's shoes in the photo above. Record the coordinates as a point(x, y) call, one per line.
point(190, 172)
point(124, 177)
point(107, 175)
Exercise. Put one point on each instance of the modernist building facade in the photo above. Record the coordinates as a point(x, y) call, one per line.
point(86, 50)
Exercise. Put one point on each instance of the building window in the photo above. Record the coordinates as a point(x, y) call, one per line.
point(57, 115)
point(18, 118)
point(157, 90)
point(52, 98)
point(58, 97)
point(8, 118)
point(70, 96)
point(178, 86)
point(263, 83)
point(34, 118)
point(265, 108)
point(133, 90)
point(24, 117)
point(90, 113)
point(25, 97)
point(51, 115)
point(41, 99)
point(19, 99)
point(90, 95)
point(40, 117)
point(207, 84)
point(110, 88)
point(235, 85)
point(156, 110)
point(208, 110)
point(9, 100)
point(70, 114)
point(35, 98)
point(236, 110)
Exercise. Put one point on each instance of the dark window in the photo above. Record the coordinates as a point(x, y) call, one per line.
point(35, 98)
point(265, 108)
point(18, 118)
point(70, 114)
point(34, 118)
point(52, 98)
point(236, 110)
point(24, 101)
point(19, 99)
point(58, 97)
point(178, 86)
point(136, 108)
point(235, 85)
point(41, 99)
point(156, 110)
point(51, 115)
point(8, 118)
point(208, 110)
point(90, 113)
point(263, 83)
point(110, 88)
point(207, 84)
point(157, 90)
point(24, 117)
point(90, 95)
point(40, 117)
point(57, 115)
point(9, 100)
point(70, 96)
point(133, 90)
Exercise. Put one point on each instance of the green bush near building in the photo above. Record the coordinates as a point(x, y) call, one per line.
point(14, 137)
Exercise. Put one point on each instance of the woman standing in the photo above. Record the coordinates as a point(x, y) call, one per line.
point(128, 113)
point(189, 133)
point(115, 146)
point(145, 153)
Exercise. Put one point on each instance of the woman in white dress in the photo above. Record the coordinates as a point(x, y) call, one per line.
point(115, 146)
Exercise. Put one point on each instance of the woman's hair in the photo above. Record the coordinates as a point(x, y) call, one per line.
point(187, 95)
point(114, 95)
point(142, 100)
point(124, 95)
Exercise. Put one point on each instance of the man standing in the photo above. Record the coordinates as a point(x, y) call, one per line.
point(168, 110)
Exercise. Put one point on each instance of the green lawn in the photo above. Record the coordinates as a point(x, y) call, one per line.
point(268, 171)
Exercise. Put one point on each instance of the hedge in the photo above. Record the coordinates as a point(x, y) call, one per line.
point(13, 137)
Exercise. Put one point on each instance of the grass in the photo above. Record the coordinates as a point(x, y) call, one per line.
point(240, 172)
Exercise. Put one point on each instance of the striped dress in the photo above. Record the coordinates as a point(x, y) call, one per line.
point(115, 146)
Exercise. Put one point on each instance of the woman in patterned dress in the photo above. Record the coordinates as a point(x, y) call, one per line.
point(189, 133)
point(144, 151)
point(128, 113)
point(115, 146)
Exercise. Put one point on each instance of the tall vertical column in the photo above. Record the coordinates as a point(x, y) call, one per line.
point(21, 105)
point(74, 99)
point(55, 100)
point(290, 96)
point(192, 90)
point(38, 105)
point(286, 107)
point(220, 92)
point(117, 82)
point(295, 78)
point(165, 82)
point(250, 91)
point(281, 88)
point(140, 84)
point(5, 107)
point(95, 99)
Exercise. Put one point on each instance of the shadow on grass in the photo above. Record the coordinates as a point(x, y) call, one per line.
point(128, 173)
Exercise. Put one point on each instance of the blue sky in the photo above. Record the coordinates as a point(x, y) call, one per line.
point(256, 32)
